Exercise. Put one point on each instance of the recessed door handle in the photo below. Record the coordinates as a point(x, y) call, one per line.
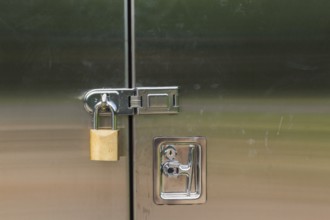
point(179, 170)
point(173, 168)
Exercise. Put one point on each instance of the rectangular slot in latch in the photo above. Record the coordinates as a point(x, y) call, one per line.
point(158, 100)
point(180, 170)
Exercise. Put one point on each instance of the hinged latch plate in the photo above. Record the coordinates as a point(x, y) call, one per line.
point(157, 100)
point(140, 100)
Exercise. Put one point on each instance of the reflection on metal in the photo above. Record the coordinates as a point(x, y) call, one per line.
point(141, 100)
point(104, 105)
point(179, 170)
point(119, 96)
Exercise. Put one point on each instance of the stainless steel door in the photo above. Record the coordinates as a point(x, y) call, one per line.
point(50, 53)
point(254, 78)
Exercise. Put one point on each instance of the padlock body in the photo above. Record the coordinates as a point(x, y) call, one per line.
point(104, 145)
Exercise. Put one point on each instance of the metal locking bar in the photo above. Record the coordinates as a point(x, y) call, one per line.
point(139, 100)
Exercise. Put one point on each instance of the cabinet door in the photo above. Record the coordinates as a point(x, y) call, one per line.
point(50, 53)
point(254, 79)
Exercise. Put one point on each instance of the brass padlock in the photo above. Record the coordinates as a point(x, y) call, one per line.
point(104, 142)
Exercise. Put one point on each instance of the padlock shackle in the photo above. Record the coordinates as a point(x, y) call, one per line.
point(113, 108)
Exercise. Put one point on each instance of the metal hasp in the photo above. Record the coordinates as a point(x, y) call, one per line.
point(139, 100)
point(179, 170)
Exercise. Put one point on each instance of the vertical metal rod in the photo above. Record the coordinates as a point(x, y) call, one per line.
point(129, 18)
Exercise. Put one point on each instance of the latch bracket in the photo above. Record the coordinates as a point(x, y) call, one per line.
point(139, 100)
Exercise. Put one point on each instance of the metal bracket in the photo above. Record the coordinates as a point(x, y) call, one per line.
point(140, 100)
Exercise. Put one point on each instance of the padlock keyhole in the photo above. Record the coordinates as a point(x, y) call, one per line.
point(170, 152)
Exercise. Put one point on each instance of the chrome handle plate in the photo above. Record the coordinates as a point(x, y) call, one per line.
point(179, 170)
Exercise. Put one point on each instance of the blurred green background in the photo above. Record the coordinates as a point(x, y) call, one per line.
point(226, 47)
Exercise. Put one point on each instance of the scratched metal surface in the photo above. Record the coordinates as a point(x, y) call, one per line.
point(45, 168)
point(50, 52)
point(254, 79)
